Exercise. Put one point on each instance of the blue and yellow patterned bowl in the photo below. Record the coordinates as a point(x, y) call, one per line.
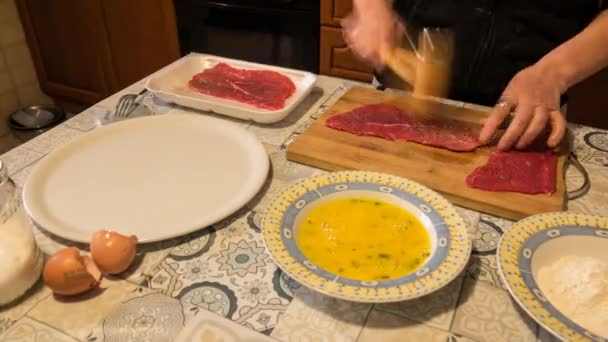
point(538, 241)
point(451, 245)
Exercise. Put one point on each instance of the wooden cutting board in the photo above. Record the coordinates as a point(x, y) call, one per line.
point(442, 170)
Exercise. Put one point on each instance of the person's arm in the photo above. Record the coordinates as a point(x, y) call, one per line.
point(535, 91)
point(364, 5)
point(370, 29)
point(582, 56)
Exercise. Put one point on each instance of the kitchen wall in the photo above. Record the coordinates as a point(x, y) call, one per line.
point(18, 82)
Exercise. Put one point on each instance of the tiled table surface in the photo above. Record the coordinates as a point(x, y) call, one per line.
point(219, 284)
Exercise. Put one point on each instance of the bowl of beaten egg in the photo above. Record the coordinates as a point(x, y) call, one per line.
point(366, 236)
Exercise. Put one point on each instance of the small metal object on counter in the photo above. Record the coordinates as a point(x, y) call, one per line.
point(29, 122)
point(127, 103)
point(128, 106)
point(36, 117)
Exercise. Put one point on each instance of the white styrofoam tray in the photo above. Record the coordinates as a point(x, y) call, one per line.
point(171, 85)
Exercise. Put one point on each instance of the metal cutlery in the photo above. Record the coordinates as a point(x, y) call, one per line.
point(127, 103)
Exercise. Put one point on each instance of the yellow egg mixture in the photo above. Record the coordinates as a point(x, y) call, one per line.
point(363, 239)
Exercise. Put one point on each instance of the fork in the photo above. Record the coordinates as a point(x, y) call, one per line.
point(126, 104)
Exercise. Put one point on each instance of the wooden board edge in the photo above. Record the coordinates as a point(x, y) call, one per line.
point(481, 207)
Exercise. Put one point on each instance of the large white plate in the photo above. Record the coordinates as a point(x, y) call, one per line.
point(156, 177)
point(171, 85)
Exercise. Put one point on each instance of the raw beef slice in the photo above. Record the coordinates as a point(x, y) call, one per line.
point(260, 88)
point(391, 123)
point(517, 171)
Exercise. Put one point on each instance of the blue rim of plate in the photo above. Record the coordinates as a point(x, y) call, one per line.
point(515, 252)
point(452, 252)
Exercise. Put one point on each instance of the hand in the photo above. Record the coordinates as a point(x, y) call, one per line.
point(534, 94)
point(372, 33)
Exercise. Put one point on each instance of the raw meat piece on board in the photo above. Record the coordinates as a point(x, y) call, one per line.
point(260, 88)
point(389, 122)
point(517, 171)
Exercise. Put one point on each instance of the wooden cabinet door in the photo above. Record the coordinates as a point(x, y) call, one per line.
point(142, 37)
point(85, 51)
point(334, 10)
point(337, 59)
point(70, 48)
point(587, 101)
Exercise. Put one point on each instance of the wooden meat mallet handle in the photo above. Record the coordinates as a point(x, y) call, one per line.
point(403, 63)
point(428, 67)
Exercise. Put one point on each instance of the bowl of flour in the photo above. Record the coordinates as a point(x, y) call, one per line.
point(556, 267)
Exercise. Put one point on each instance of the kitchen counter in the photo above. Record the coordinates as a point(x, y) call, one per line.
point(218, 284)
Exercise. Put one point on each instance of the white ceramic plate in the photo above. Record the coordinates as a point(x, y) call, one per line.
point(171, 85)
point(156, 177)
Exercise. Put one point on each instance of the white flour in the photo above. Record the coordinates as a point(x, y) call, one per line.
point(578, 288)
point(21, 258)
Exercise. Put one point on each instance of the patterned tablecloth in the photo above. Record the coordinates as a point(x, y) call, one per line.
point(218, 284)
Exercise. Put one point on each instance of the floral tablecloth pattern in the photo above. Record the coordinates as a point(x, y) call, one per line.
point(218, 284)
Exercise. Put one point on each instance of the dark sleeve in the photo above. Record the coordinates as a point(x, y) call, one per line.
point(402, 7)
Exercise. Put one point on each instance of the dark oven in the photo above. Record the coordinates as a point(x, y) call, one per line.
point(277, 32)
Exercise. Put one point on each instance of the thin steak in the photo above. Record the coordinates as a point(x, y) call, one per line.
point(391, 123)
point(517, 171)
point(260, 88)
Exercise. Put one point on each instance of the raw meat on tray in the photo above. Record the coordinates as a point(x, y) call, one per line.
point(391, 123)
point(260, 88)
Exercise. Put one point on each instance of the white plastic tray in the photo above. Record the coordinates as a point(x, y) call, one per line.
point(171, 85)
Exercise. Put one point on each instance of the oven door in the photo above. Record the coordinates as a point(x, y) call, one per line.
point(276, 32)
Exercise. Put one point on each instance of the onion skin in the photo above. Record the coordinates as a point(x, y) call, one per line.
point(66, 273)
point(112, 252)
